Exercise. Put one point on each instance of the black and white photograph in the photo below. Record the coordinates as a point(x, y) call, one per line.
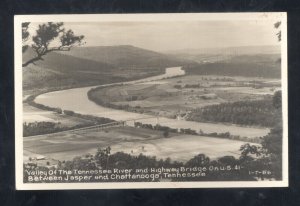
point(151, 101)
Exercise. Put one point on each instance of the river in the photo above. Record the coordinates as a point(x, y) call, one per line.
point(77, 101)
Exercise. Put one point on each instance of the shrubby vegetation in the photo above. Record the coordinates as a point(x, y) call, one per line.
point(256, 112)
point(178, 86)
point(189, 131)
point(96, 120)
point(269, 155)
point(239, 167)
point(103, 159)
point(31, 102)
point(255, 163)
point(37, 128)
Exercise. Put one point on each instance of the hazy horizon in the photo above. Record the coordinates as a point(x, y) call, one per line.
point(172, 36)
point(116, 45)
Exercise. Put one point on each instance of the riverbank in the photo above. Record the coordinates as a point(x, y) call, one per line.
point(66, 101)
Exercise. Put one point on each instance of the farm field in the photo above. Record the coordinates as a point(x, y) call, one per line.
point(161, 98)
point(64, 100)
point(178, 96)
point(128, 140)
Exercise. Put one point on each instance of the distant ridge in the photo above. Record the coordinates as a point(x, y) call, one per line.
point(125, 55)
point(242, 50)
point(84, 66)
point(211, 55)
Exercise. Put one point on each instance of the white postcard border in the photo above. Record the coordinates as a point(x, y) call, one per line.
point(279, 16)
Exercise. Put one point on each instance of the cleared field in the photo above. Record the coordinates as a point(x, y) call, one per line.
point(129, 140)
point(65, 100)
point(182, 147)
point(175, 96)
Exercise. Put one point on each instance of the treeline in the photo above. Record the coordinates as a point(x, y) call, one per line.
point(256, 112)
point(96, 120)
point(226, 135)
point(269, 69)
point(226, 168)
point(39, 128)
point(120, 160)
point(178, 86)
point(31, 102)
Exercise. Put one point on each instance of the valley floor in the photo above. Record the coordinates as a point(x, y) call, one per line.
point(129, 140)
point(180, 147)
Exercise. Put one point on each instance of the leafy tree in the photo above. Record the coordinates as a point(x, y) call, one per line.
point(25, 36)
point(248, 149)
point(269, 155)
point(277, 26)
point(198, 160)
point(277, 100)
point(46, 34)
point(102, 157)
point(80, 164)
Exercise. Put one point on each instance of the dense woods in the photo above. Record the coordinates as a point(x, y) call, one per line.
point(248, 66)
point(258, 113)
point(37, 128)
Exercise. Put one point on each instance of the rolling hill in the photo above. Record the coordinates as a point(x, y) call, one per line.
point(126, 56)
point(205, 55)
point(236, 51)
point(264, 65)
point(84, 66)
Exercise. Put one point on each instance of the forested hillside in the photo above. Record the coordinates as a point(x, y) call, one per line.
point(267, 66)
point(258, 113)
point(84, 66)
point(126, 56)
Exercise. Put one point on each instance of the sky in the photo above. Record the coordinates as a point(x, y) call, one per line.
point(171, 36)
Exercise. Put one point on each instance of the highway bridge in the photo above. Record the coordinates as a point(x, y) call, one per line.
point(99, 127)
